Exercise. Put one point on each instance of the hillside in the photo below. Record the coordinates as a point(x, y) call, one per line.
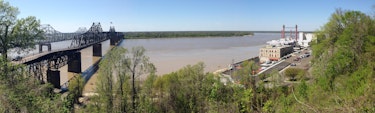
point(343, 68)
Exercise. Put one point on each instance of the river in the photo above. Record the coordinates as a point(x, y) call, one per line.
point(171, 54)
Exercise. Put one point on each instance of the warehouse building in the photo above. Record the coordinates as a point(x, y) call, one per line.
point(274, 53)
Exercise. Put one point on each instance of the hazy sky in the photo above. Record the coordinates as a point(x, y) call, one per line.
point(186, 15)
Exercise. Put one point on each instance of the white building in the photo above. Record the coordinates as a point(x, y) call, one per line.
point(304, 39)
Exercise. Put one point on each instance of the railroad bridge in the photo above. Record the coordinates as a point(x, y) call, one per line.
point(45, 65)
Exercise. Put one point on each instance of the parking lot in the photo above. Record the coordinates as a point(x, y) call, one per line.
point(300, 62)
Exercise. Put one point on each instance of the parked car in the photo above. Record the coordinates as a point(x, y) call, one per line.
point(293, 64)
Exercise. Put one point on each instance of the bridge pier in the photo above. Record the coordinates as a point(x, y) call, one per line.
point(41, 47)
point(49, 47)
point(74, 63)
point(113, 41)
point(115, 38)
point(97, 50)
point(53, 77)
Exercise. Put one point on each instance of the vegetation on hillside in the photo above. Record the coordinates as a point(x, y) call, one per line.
point(343, 69)
point(344, 64)
point(176, 34)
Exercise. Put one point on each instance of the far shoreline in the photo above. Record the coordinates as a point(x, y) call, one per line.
point(193, 34)
point(191, 37)
point(186, 34)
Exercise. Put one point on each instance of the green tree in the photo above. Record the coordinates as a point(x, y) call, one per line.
point(117, 76)
point(147, 95)
point(18, 91)
point(341, 44)
point(138, 64)
point(19, 34)
point(113, 82)
point(75, 88)
point(21, 93)
point(292, 73)
point(187, 90)
point(244, 75)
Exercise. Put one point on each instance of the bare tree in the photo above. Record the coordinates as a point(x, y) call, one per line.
point(138, 64)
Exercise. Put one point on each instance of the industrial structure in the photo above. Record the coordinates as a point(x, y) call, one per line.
point(305, 39)
point(276, 49)
point(293, 32)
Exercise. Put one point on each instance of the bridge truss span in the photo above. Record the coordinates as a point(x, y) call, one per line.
point(93, 35)
point(45, 65)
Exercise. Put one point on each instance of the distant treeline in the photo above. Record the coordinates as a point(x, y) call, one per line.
point(175, 34)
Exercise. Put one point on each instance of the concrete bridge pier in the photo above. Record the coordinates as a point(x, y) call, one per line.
point(113, 41)
point(74, 63)
point(41, 47)
point(49, 47)
point(53, 77)
point(116, 38)
point(97, 50)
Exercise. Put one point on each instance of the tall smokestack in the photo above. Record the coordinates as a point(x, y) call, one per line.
point(283, 32)
point(296, 32)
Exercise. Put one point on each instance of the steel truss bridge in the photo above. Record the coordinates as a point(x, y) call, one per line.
point(43, 64)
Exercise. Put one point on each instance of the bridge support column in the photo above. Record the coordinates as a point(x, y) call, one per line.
point(40, 48)
point(97, 50)
point(53, 77)
point(44, 44)
point(113, 41)
point(115, 38)
point(74, 63)
point(49, 47)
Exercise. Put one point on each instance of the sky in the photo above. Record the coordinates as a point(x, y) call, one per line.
point(187, 15)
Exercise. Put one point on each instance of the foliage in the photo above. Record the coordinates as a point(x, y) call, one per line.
point(147, 95)
point(118, 74)
point(75, 88)
point(137, 64)
point(343, 68)
point(292, 73)
point(137, 35)
point(18, 91)
point(112, 67)
point(244, 74)
point(185, 98)
point(22, 93)
point(19, 34)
